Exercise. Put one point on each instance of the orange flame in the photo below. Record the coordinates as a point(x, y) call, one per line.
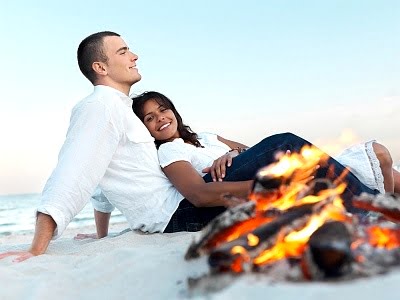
point(388, 238)
point(302, 163)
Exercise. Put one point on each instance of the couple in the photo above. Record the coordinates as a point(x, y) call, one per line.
point(181, 151)
point(108, 147)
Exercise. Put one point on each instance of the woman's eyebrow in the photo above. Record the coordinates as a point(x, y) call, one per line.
point(153, 111)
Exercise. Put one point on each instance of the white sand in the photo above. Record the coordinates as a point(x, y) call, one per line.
point(137, 266)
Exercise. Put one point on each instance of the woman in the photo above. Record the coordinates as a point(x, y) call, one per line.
point(176, 142)
point(181, 151)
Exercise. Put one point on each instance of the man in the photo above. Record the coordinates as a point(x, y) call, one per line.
point(108, 147)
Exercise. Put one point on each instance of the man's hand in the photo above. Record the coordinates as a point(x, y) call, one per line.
point(84, 236)
point(44, 230)
point(218, 168)
point(21, 255)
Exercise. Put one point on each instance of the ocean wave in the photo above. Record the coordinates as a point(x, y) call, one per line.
point(7, 224)
point(19, 232)
point(6, 233)
point(82, 219)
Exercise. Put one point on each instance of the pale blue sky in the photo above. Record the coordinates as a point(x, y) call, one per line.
point(243, 69)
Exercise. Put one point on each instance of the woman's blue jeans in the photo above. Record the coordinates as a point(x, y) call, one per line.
point(245, 166)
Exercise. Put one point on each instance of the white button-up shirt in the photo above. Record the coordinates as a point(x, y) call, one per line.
point(108, 147)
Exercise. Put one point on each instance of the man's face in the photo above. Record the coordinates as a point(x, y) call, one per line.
point(121, 64)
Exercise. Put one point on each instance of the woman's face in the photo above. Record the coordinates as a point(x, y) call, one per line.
point(160, 121)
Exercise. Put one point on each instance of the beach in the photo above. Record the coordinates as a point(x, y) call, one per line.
point(139, 266)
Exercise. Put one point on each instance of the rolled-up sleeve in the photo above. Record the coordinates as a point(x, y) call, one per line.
point(100, 202)
point(90, 144)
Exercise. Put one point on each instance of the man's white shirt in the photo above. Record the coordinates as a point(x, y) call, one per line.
point(108, 147)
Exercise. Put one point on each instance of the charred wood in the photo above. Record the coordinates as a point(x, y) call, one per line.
point(228, 218)
point(222, 258)
point(329, 252)
point(387, 204)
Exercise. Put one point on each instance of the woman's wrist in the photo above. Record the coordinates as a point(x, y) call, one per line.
point(238, 149)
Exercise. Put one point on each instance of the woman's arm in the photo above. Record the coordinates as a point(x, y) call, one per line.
point(218, 168)
point(201, 194)
point(232, 144)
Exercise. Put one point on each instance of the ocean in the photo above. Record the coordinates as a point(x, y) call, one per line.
point(17, 214)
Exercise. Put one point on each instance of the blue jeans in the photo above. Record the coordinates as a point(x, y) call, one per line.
point(245, 166)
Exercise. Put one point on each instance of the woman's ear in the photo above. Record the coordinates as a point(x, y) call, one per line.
point(100, 68)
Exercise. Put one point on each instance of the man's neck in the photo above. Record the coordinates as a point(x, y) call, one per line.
point(123, 88)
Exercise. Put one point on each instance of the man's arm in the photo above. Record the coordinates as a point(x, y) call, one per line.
point(44, 229)
point(102, 221)
point(78, 172)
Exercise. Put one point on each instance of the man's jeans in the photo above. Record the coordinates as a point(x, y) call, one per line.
point(245, 166)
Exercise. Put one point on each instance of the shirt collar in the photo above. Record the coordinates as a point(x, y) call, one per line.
point(105, 88)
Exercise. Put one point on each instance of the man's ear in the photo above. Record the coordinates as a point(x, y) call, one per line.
point(100, 68)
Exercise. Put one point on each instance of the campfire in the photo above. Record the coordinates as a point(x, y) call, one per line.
point(299, 226)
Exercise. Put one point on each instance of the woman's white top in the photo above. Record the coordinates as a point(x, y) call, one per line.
point(200, 158)
point(364, 164)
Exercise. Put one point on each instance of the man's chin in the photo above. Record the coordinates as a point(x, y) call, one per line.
point(137, 78)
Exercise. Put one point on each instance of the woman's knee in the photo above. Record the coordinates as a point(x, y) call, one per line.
point(383, 155)
point(287, 137)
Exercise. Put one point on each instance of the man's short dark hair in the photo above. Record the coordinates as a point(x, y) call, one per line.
point(91, 50)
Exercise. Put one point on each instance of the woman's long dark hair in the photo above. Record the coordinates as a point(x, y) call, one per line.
point(185, 132)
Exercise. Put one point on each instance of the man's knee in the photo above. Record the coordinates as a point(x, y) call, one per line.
point(383, 155)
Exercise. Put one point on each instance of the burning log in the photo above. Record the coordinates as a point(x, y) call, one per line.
point(225, 220)
point(234, 254)
point(233, 223)
point(258, 248)
point(329, 252)
point(386, 204)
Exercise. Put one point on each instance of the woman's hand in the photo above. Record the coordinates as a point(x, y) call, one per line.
point(231, 200)
point(218, 168)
